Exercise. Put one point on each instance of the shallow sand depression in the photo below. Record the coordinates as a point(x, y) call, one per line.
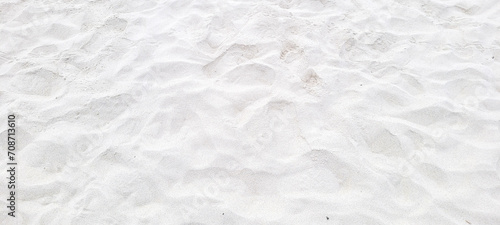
point(251, 112)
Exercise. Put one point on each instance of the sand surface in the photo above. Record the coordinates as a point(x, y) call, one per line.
point(355, 112)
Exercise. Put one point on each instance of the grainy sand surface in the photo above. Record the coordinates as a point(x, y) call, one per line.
point(355, 112)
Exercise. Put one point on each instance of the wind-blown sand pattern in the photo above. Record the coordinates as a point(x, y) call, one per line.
point(252, 112)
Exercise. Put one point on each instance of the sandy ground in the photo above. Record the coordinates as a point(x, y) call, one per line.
point(351, 112)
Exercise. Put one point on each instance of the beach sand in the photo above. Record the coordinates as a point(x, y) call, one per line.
point(251, 112)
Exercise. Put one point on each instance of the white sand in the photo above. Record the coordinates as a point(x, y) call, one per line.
point(252, 112)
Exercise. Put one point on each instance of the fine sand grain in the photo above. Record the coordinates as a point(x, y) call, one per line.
point(241, 112)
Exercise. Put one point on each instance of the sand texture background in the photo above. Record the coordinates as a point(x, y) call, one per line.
point(355, 112)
